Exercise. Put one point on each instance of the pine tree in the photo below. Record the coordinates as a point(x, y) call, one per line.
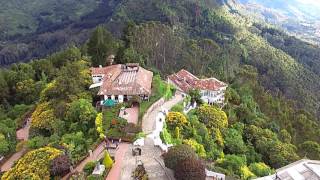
point(100, 46)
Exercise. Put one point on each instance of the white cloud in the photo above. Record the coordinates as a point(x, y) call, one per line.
point(310, 2)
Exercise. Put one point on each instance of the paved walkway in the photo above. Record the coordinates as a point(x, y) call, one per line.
point(96, 154)
point(148, 125)
point(132, 114)
point(22, 134)
point(115, 172)
point(151, 155)
point(15, 157)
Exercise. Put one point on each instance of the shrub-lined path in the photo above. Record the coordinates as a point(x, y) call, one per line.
point(22, 134)
point(151, 155)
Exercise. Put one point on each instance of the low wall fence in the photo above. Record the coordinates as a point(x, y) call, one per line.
point(155, 105)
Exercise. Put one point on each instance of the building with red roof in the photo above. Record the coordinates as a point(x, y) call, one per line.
point(121, 82)
point(212, 90)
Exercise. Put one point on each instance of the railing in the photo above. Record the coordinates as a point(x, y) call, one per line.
point(155, 105)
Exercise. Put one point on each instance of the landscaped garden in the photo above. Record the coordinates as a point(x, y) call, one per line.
point(62, 113)
point(207, 138)
point(203, 136)
point(96, 170)
point(159, 89)
point(116, 127)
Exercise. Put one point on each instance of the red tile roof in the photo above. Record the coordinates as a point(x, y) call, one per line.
point(186, 81)
point(124, 80)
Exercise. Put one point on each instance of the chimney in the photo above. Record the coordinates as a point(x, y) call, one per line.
point(110, 59)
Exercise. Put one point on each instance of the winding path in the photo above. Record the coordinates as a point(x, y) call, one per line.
point(22, 134)
point(151, 155)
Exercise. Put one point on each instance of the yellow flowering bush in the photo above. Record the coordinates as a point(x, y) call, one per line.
point(212, 117)
point(176, 119)
point(99, 125)
point(43, 117)
point(48, 91)
point(218, 136)
point(246, 173)
point(198, 148)
point(33, 165)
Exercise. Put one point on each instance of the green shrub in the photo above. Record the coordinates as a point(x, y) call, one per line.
point(89, 167)
point(20, 145)
point(177, 154)
point(232, 163)
point(107, 161)
point(166, 136)
point(37, 142)
point(139, 135)
point(95, 177)
point(177, 108)
point(260, 169)
point(114, 133)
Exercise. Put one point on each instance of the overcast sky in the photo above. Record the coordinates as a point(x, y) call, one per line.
point(310, 2)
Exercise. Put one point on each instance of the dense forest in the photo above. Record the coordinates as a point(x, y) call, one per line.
point(272, 113)
point(35, 29)
point(233, 140)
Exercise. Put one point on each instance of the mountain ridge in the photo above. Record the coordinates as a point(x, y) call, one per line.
point(296, 17)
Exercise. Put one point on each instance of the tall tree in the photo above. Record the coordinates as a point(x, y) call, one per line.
point(100, 46)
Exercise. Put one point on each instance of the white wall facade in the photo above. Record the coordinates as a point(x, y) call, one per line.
point(97, 78)
point(213, 97)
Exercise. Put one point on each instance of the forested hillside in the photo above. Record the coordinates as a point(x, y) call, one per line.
point(35, 29)
point(271, 117)
point(204, 37)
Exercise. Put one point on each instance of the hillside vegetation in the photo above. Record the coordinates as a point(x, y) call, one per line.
point(269, 119)
point(35, 29)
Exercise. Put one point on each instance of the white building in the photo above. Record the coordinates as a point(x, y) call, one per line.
point(211, 89)
point(300, 170)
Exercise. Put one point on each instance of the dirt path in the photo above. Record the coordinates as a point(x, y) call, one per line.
point(22, 134)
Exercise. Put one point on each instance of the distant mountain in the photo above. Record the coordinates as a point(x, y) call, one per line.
point(299, 17)
point(36, 28)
